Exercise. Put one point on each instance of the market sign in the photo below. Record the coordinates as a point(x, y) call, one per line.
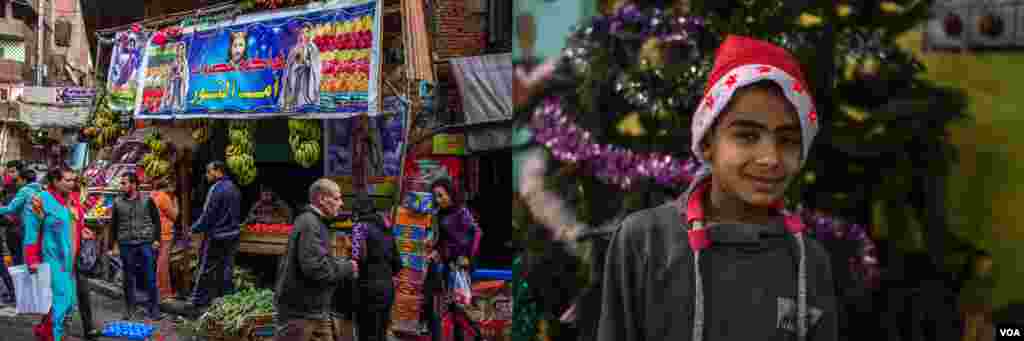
point(75, 96)
point(55, 107)
point(66, 96)
point(317, 61)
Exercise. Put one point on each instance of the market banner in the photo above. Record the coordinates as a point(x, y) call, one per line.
point(316, 61)
point(123, 76)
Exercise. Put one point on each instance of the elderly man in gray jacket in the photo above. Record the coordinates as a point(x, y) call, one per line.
point(308, 275)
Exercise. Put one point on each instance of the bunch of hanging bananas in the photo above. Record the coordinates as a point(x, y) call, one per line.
point(201, 130)
point(155, 162)
point(304, 137)
point(106, 126)
point(240, 152)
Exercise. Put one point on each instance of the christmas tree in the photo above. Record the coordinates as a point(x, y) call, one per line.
point(614, 110)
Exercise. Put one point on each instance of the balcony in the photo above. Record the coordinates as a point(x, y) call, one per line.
point(12, 71)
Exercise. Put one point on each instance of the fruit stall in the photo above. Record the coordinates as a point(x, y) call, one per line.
point(272, 239)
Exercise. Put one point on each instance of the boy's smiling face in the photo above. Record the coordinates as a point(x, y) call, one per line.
point(755, 147)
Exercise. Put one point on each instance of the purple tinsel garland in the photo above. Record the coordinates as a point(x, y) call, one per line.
point(617, 165)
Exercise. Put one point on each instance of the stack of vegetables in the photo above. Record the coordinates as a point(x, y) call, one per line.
point(345, 49)
point(229, 316)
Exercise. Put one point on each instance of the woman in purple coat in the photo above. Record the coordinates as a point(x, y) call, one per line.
point(456, 241)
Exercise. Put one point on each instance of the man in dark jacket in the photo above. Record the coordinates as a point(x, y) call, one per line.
point(136, 221)
point(308, 275)
point(220, 222)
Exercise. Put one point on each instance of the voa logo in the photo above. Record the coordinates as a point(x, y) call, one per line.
point(1009, 331)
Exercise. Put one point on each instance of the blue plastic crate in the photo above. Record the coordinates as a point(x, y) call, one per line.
point(128, 330)
point(491, 274)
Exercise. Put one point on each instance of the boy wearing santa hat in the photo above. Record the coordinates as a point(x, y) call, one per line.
point(725, 261)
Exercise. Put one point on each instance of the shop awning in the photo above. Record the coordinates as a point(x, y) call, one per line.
point(485, 83)
point(55, 107)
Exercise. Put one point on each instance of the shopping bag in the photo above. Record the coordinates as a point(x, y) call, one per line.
point(33, 291)
point(462, 292)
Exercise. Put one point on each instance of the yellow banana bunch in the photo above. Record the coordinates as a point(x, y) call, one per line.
point(201, 131)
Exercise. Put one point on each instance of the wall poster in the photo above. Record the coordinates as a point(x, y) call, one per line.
point(317, 61)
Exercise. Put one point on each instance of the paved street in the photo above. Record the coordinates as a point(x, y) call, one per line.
point(19, 328)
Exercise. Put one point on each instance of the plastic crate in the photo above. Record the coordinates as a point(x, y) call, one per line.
point(128, 330)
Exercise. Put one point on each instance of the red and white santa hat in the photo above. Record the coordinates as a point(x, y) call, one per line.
point(742, 61)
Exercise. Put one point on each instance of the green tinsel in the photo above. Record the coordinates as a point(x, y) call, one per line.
point(525, 314)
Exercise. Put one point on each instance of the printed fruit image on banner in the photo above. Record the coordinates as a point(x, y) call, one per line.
point(319, 61)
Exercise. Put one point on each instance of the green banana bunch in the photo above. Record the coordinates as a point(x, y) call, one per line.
point(304, 138)
point(244, 167)
point(239, 152)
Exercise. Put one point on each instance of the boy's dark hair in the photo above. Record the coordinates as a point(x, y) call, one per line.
point(15, 164)
point(131, 177)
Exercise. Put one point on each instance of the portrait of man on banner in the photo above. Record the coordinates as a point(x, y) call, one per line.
point(301, 78)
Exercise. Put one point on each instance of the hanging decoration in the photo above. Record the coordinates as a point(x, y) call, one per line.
point(304, 138)
point(270, 4)
point(240, 150)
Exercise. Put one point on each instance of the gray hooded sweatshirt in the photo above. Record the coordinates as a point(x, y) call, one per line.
point(746, 287)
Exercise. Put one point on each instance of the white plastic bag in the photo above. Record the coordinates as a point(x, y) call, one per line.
point(462, 292)
point(33, 291)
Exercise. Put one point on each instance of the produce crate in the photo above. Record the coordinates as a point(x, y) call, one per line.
point(260, 328)
point(263, 243)
point(215, 332)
